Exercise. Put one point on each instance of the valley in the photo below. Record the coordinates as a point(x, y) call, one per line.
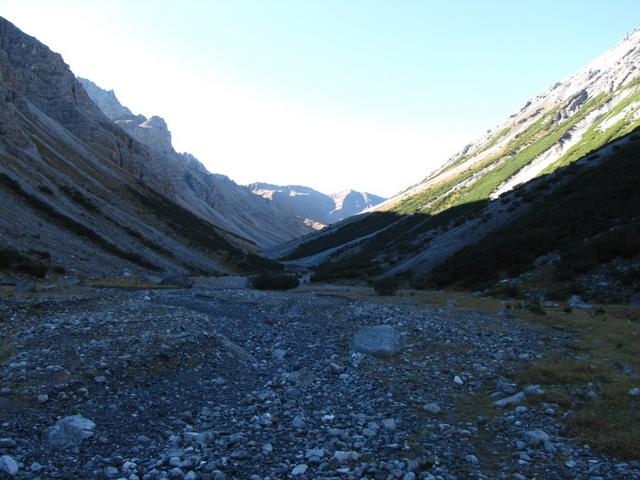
point(160, 321)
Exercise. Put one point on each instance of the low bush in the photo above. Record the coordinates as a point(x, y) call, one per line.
point(13, 260)
point(275, 281)
point(386, 286)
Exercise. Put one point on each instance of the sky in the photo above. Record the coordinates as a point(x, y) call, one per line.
point(332, 94)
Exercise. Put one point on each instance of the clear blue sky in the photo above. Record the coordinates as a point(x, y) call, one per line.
point(329, 93)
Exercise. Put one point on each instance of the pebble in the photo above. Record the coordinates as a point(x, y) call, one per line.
point(8, 465)
point(299, 469)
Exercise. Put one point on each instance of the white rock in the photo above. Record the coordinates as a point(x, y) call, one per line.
point(314, 453)
point(69, 432)
point(576, 302)
point(8, 465)
point(635, 392)
point(432, 408)
point(536, 438)
point(512, 400)
point(344, 457)
point(457, 380)
point(299, 469)
point(378, 341)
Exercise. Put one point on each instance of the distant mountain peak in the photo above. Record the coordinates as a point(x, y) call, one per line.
point(316, 207)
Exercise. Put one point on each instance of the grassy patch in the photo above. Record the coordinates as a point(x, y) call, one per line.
point(604, 346)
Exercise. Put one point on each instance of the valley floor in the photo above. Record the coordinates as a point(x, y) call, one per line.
point(212, 384)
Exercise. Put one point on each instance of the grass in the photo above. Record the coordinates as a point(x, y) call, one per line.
point(602, 344)
point(590, 220)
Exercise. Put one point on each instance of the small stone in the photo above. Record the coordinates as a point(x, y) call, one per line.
point(432, 408)
point(533, 390)
point(299, 469)
point(100, 379)
point(344, 457)
point(314, 453)
point(267, 449)
point(471, 459)
point(191, 475)
point(512, 400)
point(536, 438)
point(42, 398)
point(576, 302)
point(298, 421)
point(635, 392)
point(409, 476)
point(570, 463)
point(457, 380)
point(8, 465)
point(7, 443)
point(389, 423)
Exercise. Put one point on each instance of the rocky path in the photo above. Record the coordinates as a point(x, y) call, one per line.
point(215, 384)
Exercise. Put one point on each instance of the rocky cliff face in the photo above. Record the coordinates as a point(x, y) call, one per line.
point(215, 198)
point(315, 207)
point(74, 187)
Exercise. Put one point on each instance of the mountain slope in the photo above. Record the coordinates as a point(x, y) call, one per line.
point(70, 181)
point(315, 207)
point(475, 192)
point(185, 180)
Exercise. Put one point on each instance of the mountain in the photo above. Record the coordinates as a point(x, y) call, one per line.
point(215, 198)
point(587, 119)
point(75, 188)
point(315, 207)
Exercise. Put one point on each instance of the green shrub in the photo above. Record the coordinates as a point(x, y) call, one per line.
point(13, 260)
point(386, 286)
point(275, 281)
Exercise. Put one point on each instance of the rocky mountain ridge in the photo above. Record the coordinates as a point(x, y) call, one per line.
point(214, 197)
point(315, 207)
point(587, 120)
point(74, 187)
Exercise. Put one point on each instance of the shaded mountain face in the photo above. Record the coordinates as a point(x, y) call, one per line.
point(75, 188)
point(215, 198)
point(315, 207)
point(494, 181)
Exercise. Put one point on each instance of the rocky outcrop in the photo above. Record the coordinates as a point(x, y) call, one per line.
point(313, 206)
point(80, 194)
point(215, 198)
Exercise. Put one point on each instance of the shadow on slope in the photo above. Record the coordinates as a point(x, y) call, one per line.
point(586, 214)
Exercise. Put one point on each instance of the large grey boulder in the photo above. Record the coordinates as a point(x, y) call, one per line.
point(70, 432)
point(378, 341)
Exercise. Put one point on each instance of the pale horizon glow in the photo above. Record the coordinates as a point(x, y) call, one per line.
point(253, 129)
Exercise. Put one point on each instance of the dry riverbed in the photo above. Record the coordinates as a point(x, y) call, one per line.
point(206, 383)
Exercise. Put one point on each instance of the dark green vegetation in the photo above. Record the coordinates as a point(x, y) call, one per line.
point(32, 263)
point(385, 249)
point(74, 226)
point(386, 286)
point(592, 219)
point(275, 281)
